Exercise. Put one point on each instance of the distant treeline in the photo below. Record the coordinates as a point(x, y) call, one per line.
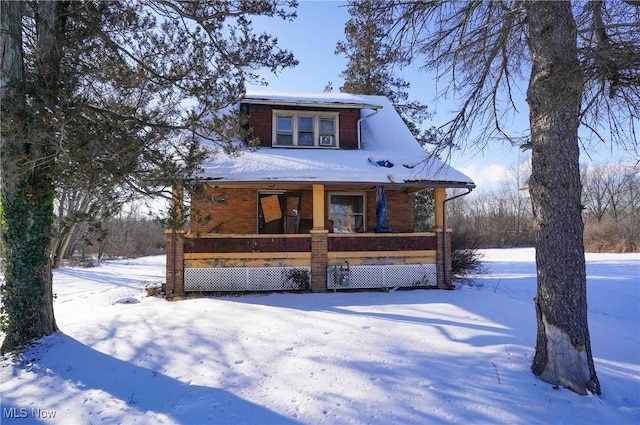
point(503, 217)
point(118, 237)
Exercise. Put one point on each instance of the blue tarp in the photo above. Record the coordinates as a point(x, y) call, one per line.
point(381, 210)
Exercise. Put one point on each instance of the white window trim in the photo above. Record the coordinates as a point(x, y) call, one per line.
point(363, 195)
point(317, 115)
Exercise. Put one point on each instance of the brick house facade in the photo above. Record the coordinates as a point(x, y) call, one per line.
point(304, 210)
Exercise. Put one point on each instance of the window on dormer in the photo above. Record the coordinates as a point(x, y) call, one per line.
point(284, 130)
point(305, 129)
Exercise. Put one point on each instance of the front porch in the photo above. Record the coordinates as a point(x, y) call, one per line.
point(315, 259)
point(299, 262)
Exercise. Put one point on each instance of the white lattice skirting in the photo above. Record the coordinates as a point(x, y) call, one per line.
point(236, 279)
point(389, 276)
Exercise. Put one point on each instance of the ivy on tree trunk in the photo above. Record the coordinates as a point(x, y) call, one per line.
point(27, 178)
point(27, 292)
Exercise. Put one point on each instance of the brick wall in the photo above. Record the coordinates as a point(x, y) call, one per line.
point(348, 123)
point(319, 261)
point(399, 211)
point(238, 214)
point(261, 120)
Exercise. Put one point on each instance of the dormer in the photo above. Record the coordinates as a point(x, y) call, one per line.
point(321, 121)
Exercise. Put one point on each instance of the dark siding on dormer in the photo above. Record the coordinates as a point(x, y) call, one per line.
point(349, 128)
point(260, 119)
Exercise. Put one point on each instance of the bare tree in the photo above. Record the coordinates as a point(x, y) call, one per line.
point(594, 193)
point(583, 68)
point(82, 198)
point(518, 203)
point(610, 200)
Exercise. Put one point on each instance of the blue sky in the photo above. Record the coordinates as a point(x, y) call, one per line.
point(312, 37)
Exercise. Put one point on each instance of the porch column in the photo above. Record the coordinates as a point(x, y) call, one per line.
point(443, 258)
point(319, 258)
point(443, 250)
point(318, 207)
point(174, 286)
point(439, 196)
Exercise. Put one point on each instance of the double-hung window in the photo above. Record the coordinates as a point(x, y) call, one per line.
point(346, 210)
point(284, 131)
point(305, 129)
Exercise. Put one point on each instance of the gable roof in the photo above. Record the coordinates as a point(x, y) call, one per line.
point(384, 137)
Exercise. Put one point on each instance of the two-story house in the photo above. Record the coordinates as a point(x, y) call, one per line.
point(326, 202)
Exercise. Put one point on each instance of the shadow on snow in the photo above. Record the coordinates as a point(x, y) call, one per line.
point(142, 390)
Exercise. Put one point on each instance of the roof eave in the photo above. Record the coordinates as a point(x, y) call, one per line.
point(310, 104)
point(426, 184)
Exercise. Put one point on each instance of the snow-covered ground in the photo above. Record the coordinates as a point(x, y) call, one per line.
point(402, 357)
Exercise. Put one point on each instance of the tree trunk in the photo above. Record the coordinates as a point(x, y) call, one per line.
point(27, 292)
point(11, 37)
point(27, 184)
point(61, 244)
point(563, 349)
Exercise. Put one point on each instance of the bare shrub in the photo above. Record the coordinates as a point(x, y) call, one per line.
point(465, 257)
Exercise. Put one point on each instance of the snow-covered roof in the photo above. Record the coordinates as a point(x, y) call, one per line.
point(384, 137)
point(334, 100)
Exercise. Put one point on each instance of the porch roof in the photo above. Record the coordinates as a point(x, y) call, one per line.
point(384, 138)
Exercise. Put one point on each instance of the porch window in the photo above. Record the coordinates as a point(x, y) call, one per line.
point(278, 212)
point(305, 129)
point(347, 212)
